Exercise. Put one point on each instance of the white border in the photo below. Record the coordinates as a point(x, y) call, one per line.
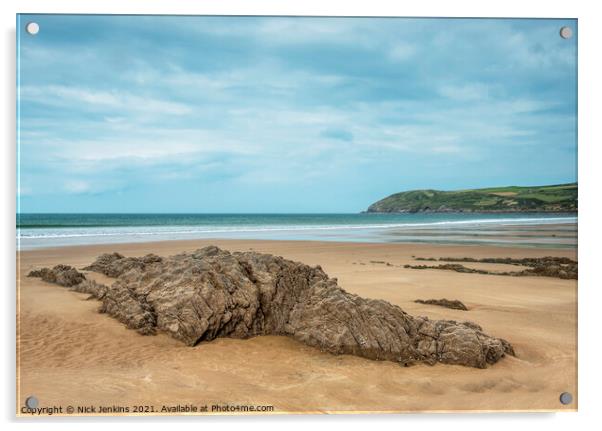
point(590, 139)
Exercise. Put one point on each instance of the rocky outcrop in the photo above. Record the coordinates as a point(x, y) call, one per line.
point(115, 264)
point(457, 268)
point(63, 275)
point(212, 293)
point(448, 303)
point(548, 266)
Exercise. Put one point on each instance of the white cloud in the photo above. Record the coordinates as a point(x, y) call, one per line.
point(119, 101)
point(465, 92)
point(77, 186)
point(401, 51)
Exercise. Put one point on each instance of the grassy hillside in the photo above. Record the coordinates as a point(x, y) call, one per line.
point(554, 198)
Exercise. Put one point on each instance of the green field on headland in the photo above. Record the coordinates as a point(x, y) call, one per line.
point(552, 198)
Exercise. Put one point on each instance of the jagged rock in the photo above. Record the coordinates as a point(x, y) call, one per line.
point(64, 275)
point(449, 303)
point(213, 293)
point(115, 264)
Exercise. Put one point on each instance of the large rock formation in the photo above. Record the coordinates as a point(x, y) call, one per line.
point(212, 293)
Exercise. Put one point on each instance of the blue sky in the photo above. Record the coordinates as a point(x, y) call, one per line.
point(252, 114)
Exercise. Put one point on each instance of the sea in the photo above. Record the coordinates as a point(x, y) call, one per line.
point(515, 229)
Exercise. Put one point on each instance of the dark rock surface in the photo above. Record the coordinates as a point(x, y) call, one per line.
point(212, 293)
point(455, 267)
point(548, 266)
point(448, 303)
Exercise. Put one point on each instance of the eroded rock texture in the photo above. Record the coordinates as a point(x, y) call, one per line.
point(63, 275)
point(213, 293)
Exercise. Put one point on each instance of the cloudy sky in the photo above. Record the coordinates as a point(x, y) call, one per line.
point(213, 114)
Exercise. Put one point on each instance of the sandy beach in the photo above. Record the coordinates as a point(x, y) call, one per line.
point(68, 354)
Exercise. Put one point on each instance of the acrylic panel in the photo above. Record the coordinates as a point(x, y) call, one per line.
point(268, 215)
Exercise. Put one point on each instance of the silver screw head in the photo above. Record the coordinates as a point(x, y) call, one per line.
point(31, 402)
point(566, 32)
point(566, 398)
point(32, 28)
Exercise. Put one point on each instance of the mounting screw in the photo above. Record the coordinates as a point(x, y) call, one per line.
point(31, 402)
point(32, 28)
point(566, 32)
point(566, 398)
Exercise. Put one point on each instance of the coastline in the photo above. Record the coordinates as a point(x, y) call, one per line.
point(41, 231)
point(67, 351)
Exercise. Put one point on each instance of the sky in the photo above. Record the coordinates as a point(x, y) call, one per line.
point(287, 115)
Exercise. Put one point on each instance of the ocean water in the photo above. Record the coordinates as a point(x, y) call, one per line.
point(51, 230)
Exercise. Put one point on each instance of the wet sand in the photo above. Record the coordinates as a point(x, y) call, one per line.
point(557, 235)
point(68, 354)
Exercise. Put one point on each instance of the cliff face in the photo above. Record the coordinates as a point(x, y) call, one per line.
point(213, 293)
point(555, 198)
